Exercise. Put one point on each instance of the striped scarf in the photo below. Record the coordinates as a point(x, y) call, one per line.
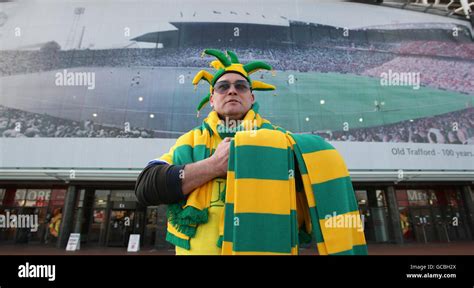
point(264, 214)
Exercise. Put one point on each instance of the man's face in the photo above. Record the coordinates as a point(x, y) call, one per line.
point(232, 96)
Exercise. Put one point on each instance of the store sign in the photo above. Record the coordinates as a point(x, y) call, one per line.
point(20, 194)
point(33, 197)
point(415, 195)
point(36, 194)
point(41, 202)
point(134, 243)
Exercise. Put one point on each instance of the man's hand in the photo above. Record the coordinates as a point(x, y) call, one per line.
point(201, 172)
point(221, 157)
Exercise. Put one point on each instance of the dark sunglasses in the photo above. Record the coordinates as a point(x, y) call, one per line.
point(241, 86)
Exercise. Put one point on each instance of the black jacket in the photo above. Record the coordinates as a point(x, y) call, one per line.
point(159, 184)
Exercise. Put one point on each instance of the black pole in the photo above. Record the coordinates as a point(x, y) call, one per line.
point(68, 216)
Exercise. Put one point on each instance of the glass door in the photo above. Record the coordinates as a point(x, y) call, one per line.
point(423, 224)
point(121, 223)
point(98, 227)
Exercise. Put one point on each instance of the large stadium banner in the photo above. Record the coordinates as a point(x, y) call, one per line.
point(348, 72)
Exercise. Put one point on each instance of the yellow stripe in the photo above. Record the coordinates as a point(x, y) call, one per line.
point(221, 223)
point(213, 120)
point(186, 139)
point(200, 198)
point(294, 250)
point(325, 165)
point(167, 157)
point(229, 190)
point(322, 248)
point(342, 232)
point(201, 139)
point(308, 190)
point(291, 143)
point(193, 138)
point(176, 233)
point(262, 137)
point(227, 248)
point(292, 193)
point(302, 211)
point(262, 196)
point(237, 67)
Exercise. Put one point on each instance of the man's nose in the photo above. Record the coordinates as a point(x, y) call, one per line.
point(232, 90)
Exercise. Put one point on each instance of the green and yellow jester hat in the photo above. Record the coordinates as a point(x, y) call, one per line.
point(225, 65)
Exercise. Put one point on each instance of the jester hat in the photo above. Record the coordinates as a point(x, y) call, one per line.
point(225, 65)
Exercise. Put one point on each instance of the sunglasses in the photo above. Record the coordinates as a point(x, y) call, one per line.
point(241, 86)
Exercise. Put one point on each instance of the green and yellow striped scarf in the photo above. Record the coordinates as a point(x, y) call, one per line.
point(264, 214)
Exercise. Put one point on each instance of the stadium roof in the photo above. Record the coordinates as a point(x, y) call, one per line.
point(103, 22)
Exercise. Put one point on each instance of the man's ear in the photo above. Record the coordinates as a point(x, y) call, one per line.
point(253, 98)
point(211, 99)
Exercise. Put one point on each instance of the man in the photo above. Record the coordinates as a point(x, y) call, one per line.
point(192, 178)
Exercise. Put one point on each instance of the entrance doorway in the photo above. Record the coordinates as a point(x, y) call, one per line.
point(432, 215)
point(121, 223)
point(423, 224)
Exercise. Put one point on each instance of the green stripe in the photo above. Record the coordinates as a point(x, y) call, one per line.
point(219, 241)
point(178, 241)
point(294, 228)
point(231, 163)
point(294, 217)
point(255, 108)
point(187, 216)
point(291, 160)
point(185, 154)
point(207, 127)
point(200, 127)
point(318, 236)
point(300, 160)
point(334, 196)
point(261, 162)
point(356, 250)
point(267, 126)
point(187, 230)
point(280, 129)
point(225, 134)
point(229, 222)
point(262, 233)
point(229, 227)
point(304, 237)
point(311, 143)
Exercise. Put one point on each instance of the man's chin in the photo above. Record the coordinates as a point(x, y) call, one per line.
point(234, 114)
